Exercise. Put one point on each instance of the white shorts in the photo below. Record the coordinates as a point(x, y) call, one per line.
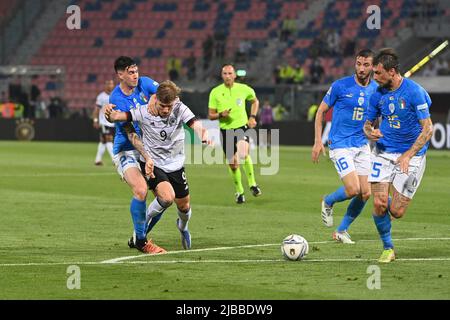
point(351, 159)
point(384, 169)
point(125, 160)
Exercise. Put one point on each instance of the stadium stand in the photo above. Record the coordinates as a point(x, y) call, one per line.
point(153, 31)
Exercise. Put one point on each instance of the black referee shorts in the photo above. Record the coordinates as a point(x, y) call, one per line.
point(229, 139)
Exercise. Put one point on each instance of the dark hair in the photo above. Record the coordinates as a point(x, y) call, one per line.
point(123, 62)
point(365, 53)
point(388, 58)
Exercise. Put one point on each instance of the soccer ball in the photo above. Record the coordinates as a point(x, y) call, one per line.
point(294, 247)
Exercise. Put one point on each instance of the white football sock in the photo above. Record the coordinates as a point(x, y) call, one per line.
point(184, 219)
point(109, 147)
point(100, 151)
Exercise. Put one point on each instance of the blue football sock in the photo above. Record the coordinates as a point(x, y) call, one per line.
point(384, 229)
point(355, 207)
point(337, 196)
point(137, 209)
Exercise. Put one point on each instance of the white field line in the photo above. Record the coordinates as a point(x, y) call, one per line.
point(79, 263)
point(62, 174)
point(124, 260)
point(120, 259)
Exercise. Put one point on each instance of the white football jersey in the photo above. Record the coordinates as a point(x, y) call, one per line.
point(102, 99)
point(164, 137)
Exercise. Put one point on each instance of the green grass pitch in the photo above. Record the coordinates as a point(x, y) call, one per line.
point(59, 210)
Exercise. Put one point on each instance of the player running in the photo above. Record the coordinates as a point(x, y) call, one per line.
point(163, 154)
point(105, 127)
point(132, 92)
point(398, 160)
point(349, 148)
point(227, 104)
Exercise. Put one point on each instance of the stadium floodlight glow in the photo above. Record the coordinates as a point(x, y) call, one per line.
point(430, 56)
point(241, 73)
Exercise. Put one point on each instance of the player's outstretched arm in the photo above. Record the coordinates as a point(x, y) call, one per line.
point(137, 143)
point(201, 132)
point(318, 146)
point(422, 139)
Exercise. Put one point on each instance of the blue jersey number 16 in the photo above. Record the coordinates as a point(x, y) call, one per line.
point(341, 164)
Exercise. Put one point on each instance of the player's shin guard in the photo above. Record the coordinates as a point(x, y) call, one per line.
point(337, 196)
point(383, 224)
point(154, 213)
point(184, 219)
point(236, 175)
point(355, 207)
point(137, 209)
point(248, 168)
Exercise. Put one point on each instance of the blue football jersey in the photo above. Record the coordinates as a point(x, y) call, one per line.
point(400, 111)
point(140, 96)
point(350, 101)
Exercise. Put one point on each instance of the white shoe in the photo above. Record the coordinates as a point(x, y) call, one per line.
point(327, 214)
point(343, 237)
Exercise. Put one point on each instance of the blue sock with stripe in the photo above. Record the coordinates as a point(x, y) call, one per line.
point(355, 207)
point(137, 209)
point(384, 229)
point(337, 196)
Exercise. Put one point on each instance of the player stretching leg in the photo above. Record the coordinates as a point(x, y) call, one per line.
point(398, 160)
point(349, 149)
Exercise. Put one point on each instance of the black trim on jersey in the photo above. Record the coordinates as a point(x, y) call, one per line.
point(129, 116)
point(191, 122)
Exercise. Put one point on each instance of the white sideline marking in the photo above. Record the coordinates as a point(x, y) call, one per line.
point(62, 174)
point(211, 261)
point(123, 260)
point(116, 260)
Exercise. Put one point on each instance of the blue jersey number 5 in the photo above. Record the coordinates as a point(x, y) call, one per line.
point(341, 164)
point(376, 168)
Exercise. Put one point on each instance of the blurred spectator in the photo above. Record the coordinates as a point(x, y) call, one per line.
point(190, 63)
point(56, 107)
point(312, 112)
point(288, 27)
point(208, 46)
point(243, 52)
point(430, 71)
point(266, 119)
point(3, 97)
point(287, 74)
point(220, 39)
point(276, 74)
point(279, 112)
point(316, 72)
point(35, 95)
point(15, 90)
point(298, 74)
point(333, 41)
point(173, 68)
point(441, 67)
point(349, 48)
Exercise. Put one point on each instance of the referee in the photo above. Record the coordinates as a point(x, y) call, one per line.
point(227, 104)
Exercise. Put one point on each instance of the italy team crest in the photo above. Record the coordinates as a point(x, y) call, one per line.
point(360, 101)
point(391, 107)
